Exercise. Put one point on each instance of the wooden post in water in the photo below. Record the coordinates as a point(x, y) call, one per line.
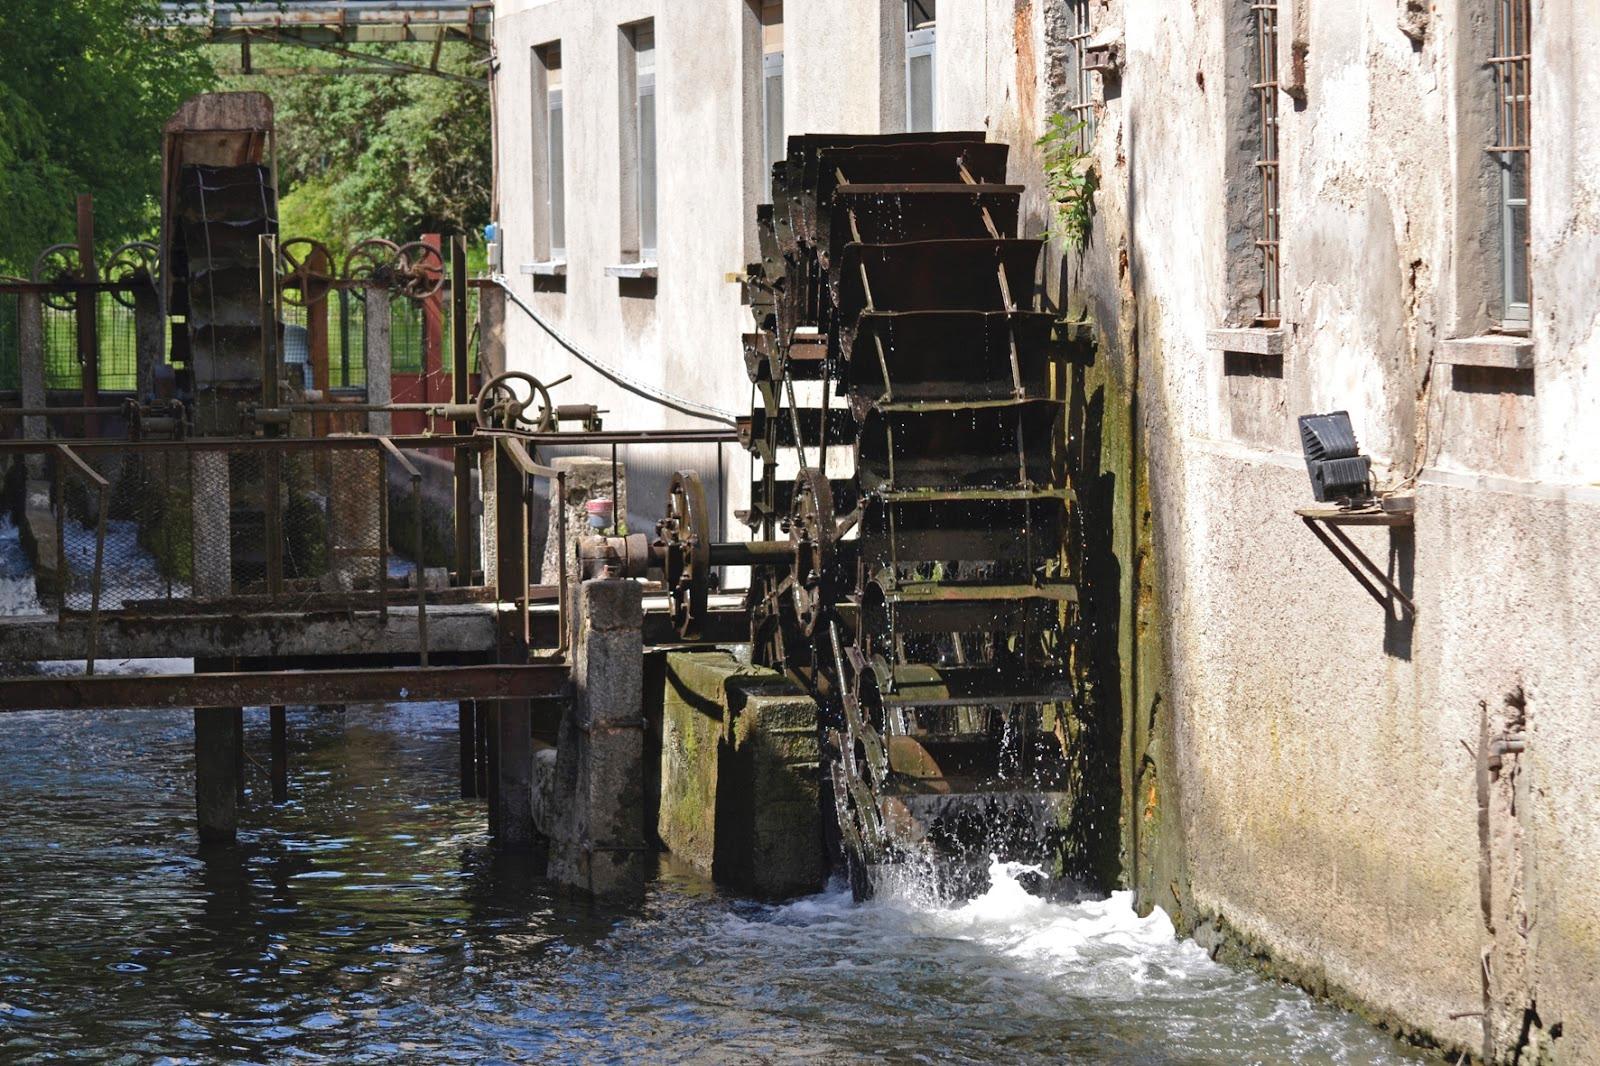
point(218, 765)
point(511, 731)
point(467, 732)
point(469, 715)
point(280, 754)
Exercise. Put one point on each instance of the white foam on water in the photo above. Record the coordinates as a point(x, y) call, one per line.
point(1046, 963)
point(17, 593)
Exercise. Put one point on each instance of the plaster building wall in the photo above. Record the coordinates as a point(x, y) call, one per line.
point(1305, 773)
point(1329, 757)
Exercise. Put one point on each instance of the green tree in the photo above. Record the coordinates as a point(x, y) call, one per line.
point(364, 155)
point(85, 86)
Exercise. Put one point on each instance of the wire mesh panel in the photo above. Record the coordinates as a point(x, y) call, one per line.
point(148, 535)
point(347, 349)
point(10, 342)
point(180, 525)
point(117, 337)
point(406, 336)
point(62, 370)
point(447, 344)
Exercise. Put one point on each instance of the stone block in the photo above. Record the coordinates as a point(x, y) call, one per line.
point(544, 789)
point(610, 605)
point(740, 777)
point(597, 834)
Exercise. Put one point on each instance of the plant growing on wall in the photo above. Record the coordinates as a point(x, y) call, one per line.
point(1069, 178)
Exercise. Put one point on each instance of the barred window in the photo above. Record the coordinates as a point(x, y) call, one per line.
point(1512, 62)
point(1265, 25)
point(1080, 101)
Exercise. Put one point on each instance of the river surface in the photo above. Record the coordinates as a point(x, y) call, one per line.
point(367, 921)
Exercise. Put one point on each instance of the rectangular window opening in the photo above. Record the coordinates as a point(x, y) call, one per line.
point(1512, 63)
point(921, 71)
point(1265, 27)
point(644, 50)
point(555, 153)
point(772, 132)
point(637, 144)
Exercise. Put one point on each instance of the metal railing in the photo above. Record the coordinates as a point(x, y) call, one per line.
point(146, 529)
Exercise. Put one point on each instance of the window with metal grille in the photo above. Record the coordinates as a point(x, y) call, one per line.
point(1080, 102)
point(1511, 63)
point(1265, 26)
point(921, 74)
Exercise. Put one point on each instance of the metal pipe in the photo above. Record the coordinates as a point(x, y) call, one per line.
point(267, 688)
point(459, 389)
point(752, 553)
point(561, 542)
point(36, 412)
point(353, 441)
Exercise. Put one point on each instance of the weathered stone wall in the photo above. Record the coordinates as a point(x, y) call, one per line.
point(739, 776)
point(1311, 774)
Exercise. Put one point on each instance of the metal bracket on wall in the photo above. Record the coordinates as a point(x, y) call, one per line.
point(1326, 523)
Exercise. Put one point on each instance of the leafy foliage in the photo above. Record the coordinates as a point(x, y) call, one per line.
point(362, 155)
point(85, 86)
point(1070, 179)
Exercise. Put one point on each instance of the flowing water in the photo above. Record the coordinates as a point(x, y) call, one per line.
point(367, 921)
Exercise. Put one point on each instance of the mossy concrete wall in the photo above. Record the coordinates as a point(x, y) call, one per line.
point(739, 776)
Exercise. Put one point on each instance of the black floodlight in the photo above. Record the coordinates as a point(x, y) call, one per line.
point(1338, 469)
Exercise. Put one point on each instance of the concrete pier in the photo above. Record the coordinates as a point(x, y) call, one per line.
point(739, 778)
point(598, 844)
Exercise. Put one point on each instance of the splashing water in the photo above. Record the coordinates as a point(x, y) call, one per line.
point(17, 593)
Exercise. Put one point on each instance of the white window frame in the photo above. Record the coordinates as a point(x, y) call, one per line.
point(921, 43)
point(645, 87)
point(556, 205)
point(771, 67)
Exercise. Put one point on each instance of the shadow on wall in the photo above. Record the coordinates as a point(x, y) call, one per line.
point(1096, 731)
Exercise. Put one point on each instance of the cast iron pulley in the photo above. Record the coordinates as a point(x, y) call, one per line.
point(684, 537)
point(59, 265)
point(499, 406)
point(372, 261)
point(418, 270)
point(130, 264)
point(305, 271)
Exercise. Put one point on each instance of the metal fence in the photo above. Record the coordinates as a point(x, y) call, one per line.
point(146, 529)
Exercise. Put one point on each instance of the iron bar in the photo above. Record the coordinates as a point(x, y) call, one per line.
point(349, 442)
point(564, 622)
point(382, 577)
point(88, 305)
point(459, 387)
point(300, 687)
